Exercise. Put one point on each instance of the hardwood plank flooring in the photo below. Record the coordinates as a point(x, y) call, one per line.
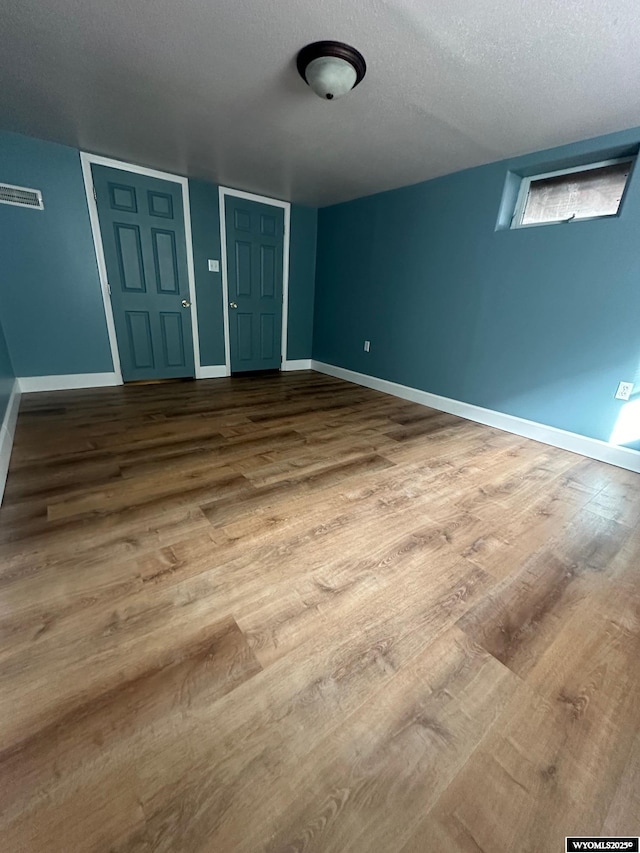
point(287, 613)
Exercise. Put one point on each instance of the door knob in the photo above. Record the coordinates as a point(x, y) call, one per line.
point(233, 305)
point(186, 303)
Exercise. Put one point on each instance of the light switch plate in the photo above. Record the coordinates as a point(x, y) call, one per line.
point(625, 389)
point(214, 266)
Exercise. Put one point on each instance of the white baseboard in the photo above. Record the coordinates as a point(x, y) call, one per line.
point(7, 432)
point(212, 371)
point(66, 382)
point(297, 364)
point(594, 448)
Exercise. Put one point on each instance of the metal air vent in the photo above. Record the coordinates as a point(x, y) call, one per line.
point(21, 196)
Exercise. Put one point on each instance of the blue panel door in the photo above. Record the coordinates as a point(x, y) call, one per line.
point(142, 225)
point(255, 239)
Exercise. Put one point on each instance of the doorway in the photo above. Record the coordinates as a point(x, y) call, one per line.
point(255, 256)
point(142, 233)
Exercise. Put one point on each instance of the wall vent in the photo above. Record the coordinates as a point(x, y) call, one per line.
point(21, 196)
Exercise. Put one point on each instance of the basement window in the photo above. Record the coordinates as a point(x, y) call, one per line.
point(593, 191)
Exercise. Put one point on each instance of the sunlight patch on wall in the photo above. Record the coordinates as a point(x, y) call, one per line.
point(627, 427)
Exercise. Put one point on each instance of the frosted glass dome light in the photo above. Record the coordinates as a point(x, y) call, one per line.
point(330, 77)
point(331, 68)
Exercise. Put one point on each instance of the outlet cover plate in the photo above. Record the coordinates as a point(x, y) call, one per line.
point(367, 346)
point(214, 266)
point(625, 390)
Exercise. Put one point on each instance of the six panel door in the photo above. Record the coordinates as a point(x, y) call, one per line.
point(143, 237)
point(255, 239)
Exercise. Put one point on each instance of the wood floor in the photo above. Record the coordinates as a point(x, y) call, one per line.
point(291, 614)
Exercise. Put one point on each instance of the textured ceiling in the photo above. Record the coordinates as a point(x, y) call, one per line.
point(209, 88)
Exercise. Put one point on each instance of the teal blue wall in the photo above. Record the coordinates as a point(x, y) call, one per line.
point(541, 323)
point(302, 273)
point(50, 295)
point(7, 375)
point(205, 227)
point(50, 298)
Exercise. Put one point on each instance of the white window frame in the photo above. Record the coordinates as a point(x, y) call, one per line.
point(525, 184)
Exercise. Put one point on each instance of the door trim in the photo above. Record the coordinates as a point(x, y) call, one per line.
point(87, 160)
point(223, 192)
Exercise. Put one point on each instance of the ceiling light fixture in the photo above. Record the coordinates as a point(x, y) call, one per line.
point(331, 68)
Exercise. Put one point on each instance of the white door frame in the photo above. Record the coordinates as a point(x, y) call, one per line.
point(223, 192)
point(87, 160)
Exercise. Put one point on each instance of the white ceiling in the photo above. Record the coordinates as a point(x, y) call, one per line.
point(209, 88)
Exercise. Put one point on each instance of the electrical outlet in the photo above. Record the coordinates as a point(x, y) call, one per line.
point(367, 346)
point(625, 389)
point(214, 266)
